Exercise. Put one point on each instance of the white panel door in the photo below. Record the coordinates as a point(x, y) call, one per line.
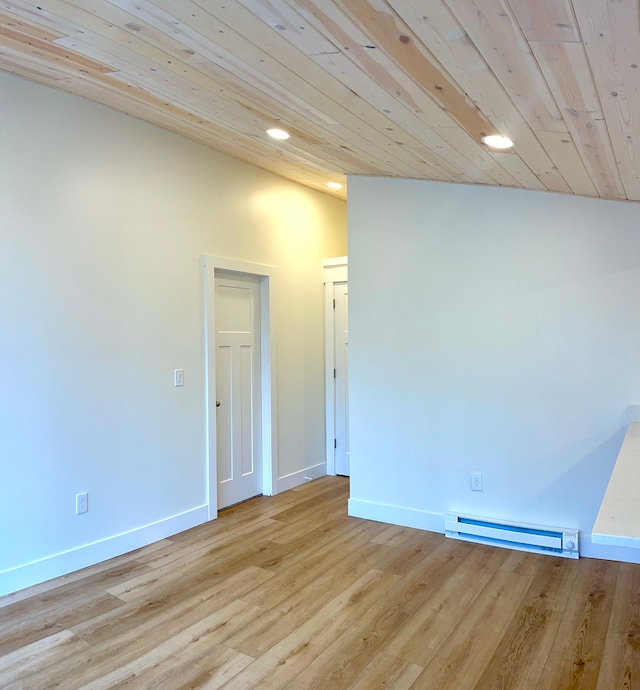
point(238, 433)
point(341, 350)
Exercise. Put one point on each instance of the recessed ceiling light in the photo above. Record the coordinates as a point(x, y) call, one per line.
point(278, 134)
point(334, 185)
point(496, 141)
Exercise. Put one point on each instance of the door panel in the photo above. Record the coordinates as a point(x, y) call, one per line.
point(237, 320)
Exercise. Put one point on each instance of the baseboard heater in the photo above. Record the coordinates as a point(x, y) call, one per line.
point(555, 541)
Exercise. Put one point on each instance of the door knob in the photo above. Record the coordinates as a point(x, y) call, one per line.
point(217, 403)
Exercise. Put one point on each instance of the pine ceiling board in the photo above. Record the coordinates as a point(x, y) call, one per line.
point(391, 35)
point(184, 78)
point(450, 163)
point(254, 152)
point(496, 34)
point(344, 161)
point(403, 120)
point(278, 16)
point(11, 64)
point(174, 86)
point(437, 28)
point(223, 120)
point(125, 98)
point(424, 153)
point(391, 130)
point(399, 121)
point(374, 64)
point(47, 52)
point(547, 20)
point(195, 29)
point(358, 122)
point(568, 73)
point(480, 155)
point(27, 28)
point(354, 81)
point(610, 33)
point(569, 162)
point(199, 103)
point(340, 67)
point(49, 69)
point(264, 73)
point(519, 170)
point(556, 183)
point(375, 79)
point(632, 191)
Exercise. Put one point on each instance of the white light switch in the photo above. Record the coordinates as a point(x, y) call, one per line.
point(178, 377)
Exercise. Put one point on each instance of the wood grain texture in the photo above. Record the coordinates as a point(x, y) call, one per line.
point(398, 88)
point(290, 592)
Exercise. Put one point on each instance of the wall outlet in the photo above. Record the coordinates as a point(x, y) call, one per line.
point(82, 503)
point(476, 481)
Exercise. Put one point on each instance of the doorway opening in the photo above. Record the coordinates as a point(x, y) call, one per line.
point(336, 290)
point(237, 294)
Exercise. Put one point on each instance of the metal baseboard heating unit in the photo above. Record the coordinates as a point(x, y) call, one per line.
point(555, 541)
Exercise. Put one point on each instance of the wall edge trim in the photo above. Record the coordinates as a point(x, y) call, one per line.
point(65, 562)
point(291, 481)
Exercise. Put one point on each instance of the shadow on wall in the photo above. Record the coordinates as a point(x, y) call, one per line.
point(581, 489)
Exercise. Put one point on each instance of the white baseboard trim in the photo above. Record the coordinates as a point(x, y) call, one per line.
point(290, 481)
point(65, 562)
point(434, 522)
point(397, 515)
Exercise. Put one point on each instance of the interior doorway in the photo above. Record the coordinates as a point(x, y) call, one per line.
point(337, 366)
point(237, 334)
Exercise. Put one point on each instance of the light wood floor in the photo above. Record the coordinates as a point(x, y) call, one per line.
point(290, 592)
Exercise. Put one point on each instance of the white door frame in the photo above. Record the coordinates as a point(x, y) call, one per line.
point(267, 368)
point(335, 271)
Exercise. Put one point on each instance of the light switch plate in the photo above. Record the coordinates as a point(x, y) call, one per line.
point(178, 377)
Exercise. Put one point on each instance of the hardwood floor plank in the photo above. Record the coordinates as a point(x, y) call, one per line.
point(341, 663)
point(288, 657)
point(519, 660)
point(136, 649)
point(191, 572)
point(205, 542)
point(387, 672)
point(420, 637)
point(278, 621)
point(620, 667)
point(460, 655)
point(82, 575)
point(315, 562)
point(289, 591)
point(187, 644)
point(579, 644)
point(38, 625)
point(39, 654)
point(172, 612)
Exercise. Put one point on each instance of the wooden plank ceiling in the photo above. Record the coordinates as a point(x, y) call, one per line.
point(402, 88)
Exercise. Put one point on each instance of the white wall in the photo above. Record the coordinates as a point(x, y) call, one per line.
point(103, 222)
point(495, 331)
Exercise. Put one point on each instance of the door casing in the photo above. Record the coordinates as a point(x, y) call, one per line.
point(267, 369)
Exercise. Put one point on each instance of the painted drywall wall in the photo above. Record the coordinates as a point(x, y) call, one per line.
point(493, 331)
point(103, 223)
